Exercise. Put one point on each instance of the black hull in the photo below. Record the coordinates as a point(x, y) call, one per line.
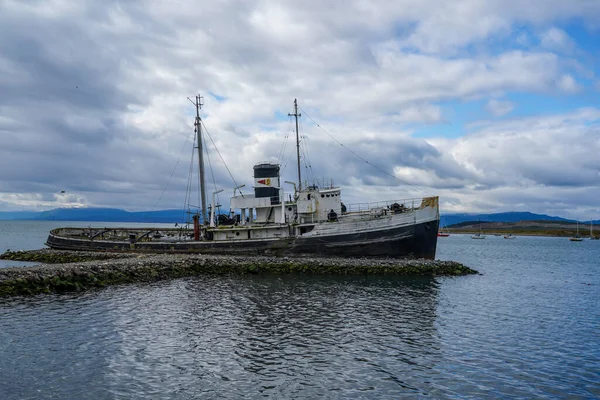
point(415, 241)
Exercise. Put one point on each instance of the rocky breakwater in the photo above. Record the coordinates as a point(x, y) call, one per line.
point(64, 271)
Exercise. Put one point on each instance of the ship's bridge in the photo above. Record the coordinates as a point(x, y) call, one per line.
point(320, 201)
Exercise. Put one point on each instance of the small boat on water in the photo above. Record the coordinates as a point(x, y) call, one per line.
point(479, 235)
point(443, 232)
point(576, 238)
point(310, 220)
point(510, 236)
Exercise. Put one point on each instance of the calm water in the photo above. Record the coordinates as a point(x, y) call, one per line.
point(528, 327)
point(30, 235)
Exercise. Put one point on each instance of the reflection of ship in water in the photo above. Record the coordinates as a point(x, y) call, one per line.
point(304, 324)
point(293, 336)
point(277, 335)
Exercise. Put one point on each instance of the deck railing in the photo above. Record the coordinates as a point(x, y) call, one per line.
point(373, 209)
point(403, 205)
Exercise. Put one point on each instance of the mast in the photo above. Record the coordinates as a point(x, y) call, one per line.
point(198, 129)
point(296, 115)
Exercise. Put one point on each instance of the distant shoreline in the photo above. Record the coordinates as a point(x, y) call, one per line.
point(524, 228)
point(502, 233)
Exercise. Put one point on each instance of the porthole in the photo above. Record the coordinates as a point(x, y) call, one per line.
point(237, 234)
point(289, 208)
point(322, 195)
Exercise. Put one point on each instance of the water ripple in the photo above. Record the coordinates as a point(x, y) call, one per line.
point(526, 328)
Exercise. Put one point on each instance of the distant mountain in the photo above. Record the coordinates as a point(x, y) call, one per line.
point(97, 215)
point(172, 216)
point(451, 219)
point(4, 215)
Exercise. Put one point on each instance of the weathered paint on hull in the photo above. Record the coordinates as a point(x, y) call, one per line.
point(418, 241)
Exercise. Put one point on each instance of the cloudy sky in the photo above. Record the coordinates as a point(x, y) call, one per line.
point(491, 104)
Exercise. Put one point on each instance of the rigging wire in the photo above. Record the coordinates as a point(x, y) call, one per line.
point(188, 189)
point(292, 150)
point(288, 160)
point(361, 158)
point(307, 161)
point(285, 141)
point(173, 171)
point(283, 155)
point(212, 172)
point(219, 153)
point(200, 188)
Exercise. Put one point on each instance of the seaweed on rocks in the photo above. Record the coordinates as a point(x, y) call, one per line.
point(66, 271)
point(49, 256)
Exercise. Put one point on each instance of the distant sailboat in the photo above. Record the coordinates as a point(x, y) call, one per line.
point(479, 235)
point(443, 231)
point(576, 238)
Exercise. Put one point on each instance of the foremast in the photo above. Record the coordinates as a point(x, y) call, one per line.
point(198, 103)
point(296, 115)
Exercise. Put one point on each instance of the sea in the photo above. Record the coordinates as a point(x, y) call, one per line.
point(526, 327)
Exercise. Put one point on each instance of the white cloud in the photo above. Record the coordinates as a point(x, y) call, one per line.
point(523, 39)
point(425, 113)
point(568, 84)
point(547, 155)
point(94, 99)
point(499, 108)
point(537, 163)
point(556, 39)
point(40, 202)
